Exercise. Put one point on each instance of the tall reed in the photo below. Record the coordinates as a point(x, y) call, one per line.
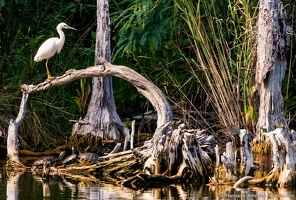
point(223, 44)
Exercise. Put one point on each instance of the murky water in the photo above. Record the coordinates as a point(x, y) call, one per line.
point(29, 186)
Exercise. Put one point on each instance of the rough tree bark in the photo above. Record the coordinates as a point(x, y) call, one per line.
point(12, 139)
point(284, 157)
point(101, 118)
point(273, 39)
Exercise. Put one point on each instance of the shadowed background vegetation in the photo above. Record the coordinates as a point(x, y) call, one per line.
point(201, 54)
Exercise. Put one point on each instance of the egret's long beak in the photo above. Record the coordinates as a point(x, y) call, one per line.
point(69, 27)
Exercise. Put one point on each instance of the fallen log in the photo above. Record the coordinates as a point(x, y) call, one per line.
point(55, 151)
point(144, 180)
point(242, 180)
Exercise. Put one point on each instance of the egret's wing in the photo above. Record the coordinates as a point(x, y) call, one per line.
point(47, 49)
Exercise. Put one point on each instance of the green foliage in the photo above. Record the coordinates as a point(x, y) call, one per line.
point(82, 96)
point(250, 113)
point(145, 28)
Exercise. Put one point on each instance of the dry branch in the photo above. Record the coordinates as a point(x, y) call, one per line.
point(145, 87)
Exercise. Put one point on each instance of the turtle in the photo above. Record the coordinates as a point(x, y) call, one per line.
point(51, 160)
point(83, 158)
point(88, 158)
point(42, 160)
point(72, 158)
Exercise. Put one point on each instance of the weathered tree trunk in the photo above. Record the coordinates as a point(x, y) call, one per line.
point(12, 139)
point(145, 87)
point(101, 118)
point(226, 167)
point(284, 157)
point(273, 39)
point(172, 154)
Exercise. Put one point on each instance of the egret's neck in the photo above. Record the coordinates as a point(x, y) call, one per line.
point(62, 35)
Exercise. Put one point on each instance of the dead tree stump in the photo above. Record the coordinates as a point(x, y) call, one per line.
point(13, 161)
point(274, 37)
point(228, 169)
point(175, 156)
point(283, 158)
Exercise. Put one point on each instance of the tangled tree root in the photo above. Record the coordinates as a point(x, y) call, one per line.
point(13, 165)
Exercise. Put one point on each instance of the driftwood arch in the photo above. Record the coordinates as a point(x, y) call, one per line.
point(171, 155)
point(144, 86)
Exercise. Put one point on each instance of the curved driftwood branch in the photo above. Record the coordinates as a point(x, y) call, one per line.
point(145, 87)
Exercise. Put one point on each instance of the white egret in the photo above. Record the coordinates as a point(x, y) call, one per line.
point(52, 45)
